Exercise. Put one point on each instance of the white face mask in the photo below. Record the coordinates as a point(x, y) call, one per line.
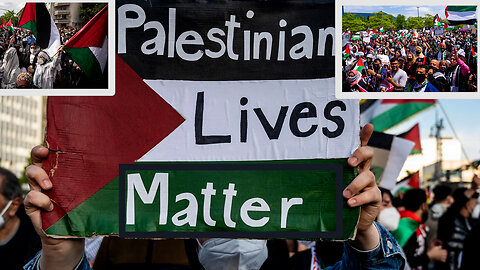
point(2, 220)
point(32, 51)
point(40, 61)
point(389, 218)
point(476, 211)
point(241, 254)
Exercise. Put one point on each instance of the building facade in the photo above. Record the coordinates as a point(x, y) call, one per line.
point(21, 129)
point(65, 14)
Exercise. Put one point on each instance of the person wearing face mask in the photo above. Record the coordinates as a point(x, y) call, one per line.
point(421, 83)
point(411, 232)
point(456, 223)
point(18, 239)
point(458, 72)
point(441, 201)
point(388, 216)
point(45, 71)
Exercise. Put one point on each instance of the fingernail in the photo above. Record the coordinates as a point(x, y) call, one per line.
point(51, 207)
point(353, 160)
point(352, 202)
point(47, 183)
point(347, 193)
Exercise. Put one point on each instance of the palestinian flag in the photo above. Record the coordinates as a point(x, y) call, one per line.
point(346, 52)
point(461, 14)
point(436, 21)
point(10, 25)
point(3, 24)
point(423, 30)
point(360, 65)
point(35, 17)
point(474, 54)
point(387, 113)
point(89, 47)
point(447, 27)
point(347, 31)
point(375, 30)
point(181, 113)
point(413, 135)
point(390, 153)
point(381, 29)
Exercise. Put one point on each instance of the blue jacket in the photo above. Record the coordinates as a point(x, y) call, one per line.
point(387, 255)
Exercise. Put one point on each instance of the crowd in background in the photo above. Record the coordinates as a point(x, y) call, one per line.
point(435, 233)
point(399, 61)
point(23, 64)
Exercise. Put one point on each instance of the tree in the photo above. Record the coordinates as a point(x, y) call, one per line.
point(400, 22)
point(10, 15)
point(88, 10)
point(354, 24)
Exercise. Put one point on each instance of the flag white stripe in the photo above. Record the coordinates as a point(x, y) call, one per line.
point(461, 16)
point(101, 53)
point(399, 152)
point(54, 42)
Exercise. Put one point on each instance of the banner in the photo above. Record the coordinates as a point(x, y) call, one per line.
point(248, 82)
point(438, 31)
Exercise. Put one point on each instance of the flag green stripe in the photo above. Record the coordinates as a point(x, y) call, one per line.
point(87, 61)
point(99, 214)
point(397, 114)
point(32, 26)
point(461, 8)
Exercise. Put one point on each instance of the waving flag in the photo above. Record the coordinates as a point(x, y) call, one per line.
point(346, 52)
point(436, 21)
point(360, 65)
point(387, 113)
point(35, 17)
point(89, 47)
point(10, 25)
point(474, 54)
point(413, 135)
point(461, 14)
point(3, 24)
point(381, 29)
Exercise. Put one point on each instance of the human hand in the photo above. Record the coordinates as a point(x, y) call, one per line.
point(475, 182)
point(390, 79)
point(363, 192)
point(370, 72)
point(437, 253)
point(56, 253)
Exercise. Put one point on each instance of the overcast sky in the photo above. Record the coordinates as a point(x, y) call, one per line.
point(9, 5)
point(408, 11)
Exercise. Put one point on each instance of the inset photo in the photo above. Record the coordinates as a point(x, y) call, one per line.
point(408, 49)
point(50, 48)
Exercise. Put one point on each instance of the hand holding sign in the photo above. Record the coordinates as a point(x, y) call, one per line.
point(56, 253)
point(65, 254)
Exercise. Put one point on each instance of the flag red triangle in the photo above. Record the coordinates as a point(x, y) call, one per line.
point(414, 180)
point(93, 135)
point(413, 135)
point(29, 14)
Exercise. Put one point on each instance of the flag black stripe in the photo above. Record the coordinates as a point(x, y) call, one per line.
point(43, 26)
point(381, 140)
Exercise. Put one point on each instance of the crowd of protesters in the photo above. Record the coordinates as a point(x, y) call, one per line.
point(402, 61)
point(435, 234)
point(23, 64)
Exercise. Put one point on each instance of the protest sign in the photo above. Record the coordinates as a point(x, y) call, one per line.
point(438, 31)
point(249, 83)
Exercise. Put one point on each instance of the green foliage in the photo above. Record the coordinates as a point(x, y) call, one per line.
point(10, 15)
point(88, 10)
point(400, 22)
point(387, 21)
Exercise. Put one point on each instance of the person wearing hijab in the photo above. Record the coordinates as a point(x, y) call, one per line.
point(46, 69)
point(10, 68)
point(356, 82)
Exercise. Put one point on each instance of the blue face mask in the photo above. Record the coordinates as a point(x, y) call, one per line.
point(458, 46)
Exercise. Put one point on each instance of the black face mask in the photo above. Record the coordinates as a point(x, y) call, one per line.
point(376, 67)
point(420, 77)
point(409, 59)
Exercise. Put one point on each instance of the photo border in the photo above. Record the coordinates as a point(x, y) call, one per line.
point(405, 95)
point(110, 91)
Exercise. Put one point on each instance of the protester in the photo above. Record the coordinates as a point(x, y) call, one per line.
point(10, 67)
point(441, 201)
point(46, 70)
point(421, 84)
point(397, 77)
point(388, 216)
point(369, 249)
point(411, 233)
point(18, 239)
point(456, 224)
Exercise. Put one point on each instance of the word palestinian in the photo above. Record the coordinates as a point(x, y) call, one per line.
point(190, 45)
